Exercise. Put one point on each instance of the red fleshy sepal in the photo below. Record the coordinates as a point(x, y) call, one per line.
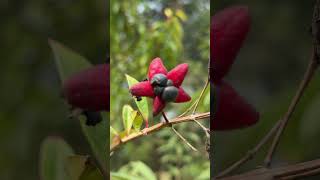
point(89, 89)
point(143, 88)
point(232, 111)
point(158, 105)
point(229, 29)
point(156, 67)
point(177, 74)
point(182, 96)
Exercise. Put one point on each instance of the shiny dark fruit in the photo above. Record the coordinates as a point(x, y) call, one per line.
point(159, 80)
point(170, 94)
point(169, 82)
point(93, 118)
point(158, 90)
point(89, 89)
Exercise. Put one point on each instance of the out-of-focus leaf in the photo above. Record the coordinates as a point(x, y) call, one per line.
point(121, 176)
point(205, 174)
point(168, 12)
point(143, 104)
point(69, 62)
point(310, 126)
point(91, 172)
point(75, 165)
point(53, 157)
point(113, 131)
point(180, 13)
point(127, 117)
point(98, 137)
point(135, 170)
point(144, 170)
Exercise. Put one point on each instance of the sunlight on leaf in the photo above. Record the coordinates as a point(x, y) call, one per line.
point(180, 13)
point(137, 122)
point(127, 117)
point(113, 131)
point(143, 104)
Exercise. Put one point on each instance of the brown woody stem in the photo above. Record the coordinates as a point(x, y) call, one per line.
point(157, 127)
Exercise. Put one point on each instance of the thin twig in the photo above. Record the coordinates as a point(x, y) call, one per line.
point(250, 154)
point(177, 133)
point(188, 110)
point(183, 139)
point(294, 171)
point(158, 127)
point(201, 95)
point(196, 102)
point(284, 121)
point(305, 173)
point(206, 130)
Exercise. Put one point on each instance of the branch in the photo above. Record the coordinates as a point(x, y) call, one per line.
point(294, 171)
point(279, 127)
point(284, 121)
point(250, 154)
point(157, 127)
point(313, 65)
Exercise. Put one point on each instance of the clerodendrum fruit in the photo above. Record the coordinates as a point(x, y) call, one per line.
point(89, 89)
point(229, 29)
point(170, 94)
point(159, 79)
point(232, 111)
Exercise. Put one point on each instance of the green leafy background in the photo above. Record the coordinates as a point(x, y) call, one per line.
point(178, 32)
point(31, 107)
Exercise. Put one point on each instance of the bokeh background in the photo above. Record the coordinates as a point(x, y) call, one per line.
point(267, 72)
point(31, 107)
point(178, 32)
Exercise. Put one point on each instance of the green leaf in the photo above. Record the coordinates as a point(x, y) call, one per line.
point(137, 122)
point(98, 137)
point(123, 134)
point(127, 117)
point(113, 131)
point(91, 172)
point(82, 168)
point(75, 165)
point(135, 170)
point(54, 152)
point(69, 62)
point(309, 128)
point(144, 170)
point(143, 104)
point(121, 176)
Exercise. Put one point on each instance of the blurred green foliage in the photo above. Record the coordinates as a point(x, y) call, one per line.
point(267, 72)
point(69, 63)
point(177, 32)
point(31, 107)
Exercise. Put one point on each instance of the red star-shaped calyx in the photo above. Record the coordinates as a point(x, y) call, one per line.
point(162, 86)
point(229, 28)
